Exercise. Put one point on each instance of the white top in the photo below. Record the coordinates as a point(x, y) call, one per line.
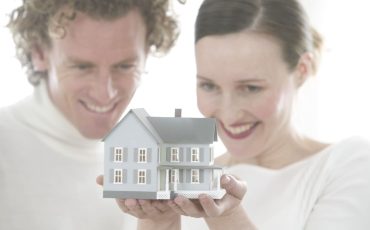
point(329, 190)
point(48, 171)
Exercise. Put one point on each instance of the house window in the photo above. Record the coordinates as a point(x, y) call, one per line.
point(142, 155)
point(118, 176)
point(195, 176)
point(141, 176)
point(195, 155)
point(174, 175)
point(175, 155)
point(118, 154)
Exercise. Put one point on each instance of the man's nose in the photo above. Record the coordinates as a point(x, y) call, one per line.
point(104, 89)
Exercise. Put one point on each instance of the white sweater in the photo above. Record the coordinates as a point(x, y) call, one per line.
point(48, 171)
point(327, 191)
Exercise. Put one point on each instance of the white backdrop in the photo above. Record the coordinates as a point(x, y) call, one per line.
point(332, 106)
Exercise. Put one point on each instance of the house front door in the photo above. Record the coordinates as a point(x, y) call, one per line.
point(174, 179)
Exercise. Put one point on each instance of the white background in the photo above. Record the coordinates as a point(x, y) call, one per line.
point(333, 105)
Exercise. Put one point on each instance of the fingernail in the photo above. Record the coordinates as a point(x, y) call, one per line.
point(226, 179)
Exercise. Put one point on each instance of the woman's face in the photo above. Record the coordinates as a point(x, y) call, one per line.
point(244, 83)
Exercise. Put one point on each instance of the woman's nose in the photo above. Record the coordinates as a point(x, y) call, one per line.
point(230, 109)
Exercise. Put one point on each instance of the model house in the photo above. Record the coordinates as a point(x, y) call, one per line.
point(159, 157)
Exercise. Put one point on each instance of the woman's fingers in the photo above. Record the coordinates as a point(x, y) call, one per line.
point(190, 207)
point(234, 187)
point(209, 206)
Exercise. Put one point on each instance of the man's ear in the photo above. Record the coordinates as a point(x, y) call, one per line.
point(40, 59)
point(304, 68)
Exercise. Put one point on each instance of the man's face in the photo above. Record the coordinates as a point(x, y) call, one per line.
point(94, 70)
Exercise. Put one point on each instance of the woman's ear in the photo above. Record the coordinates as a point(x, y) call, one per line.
point(40, 59)
point(304, 68)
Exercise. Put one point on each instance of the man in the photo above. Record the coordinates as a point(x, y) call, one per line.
point(84, 59)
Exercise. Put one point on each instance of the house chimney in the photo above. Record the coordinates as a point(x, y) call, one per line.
point(177, 112)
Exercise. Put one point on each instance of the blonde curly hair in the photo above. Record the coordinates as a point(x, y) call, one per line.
point(32, 23)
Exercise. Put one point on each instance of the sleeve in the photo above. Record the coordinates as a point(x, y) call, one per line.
point(345, 200)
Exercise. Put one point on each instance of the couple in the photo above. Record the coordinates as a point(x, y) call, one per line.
point(252, 56)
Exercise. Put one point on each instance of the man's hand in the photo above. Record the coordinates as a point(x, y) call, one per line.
point(153, 214)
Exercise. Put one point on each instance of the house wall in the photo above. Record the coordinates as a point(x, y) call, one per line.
point(205, 159)
point(205, 178)
point(131, 135)
point(205, 154)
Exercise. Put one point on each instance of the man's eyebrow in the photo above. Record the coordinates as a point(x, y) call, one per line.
point(127, 60)
point(130, 58)
point(72, 59)
point(76, 60)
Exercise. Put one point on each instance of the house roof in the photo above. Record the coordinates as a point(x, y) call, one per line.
point(184, 130)
point(178, 130)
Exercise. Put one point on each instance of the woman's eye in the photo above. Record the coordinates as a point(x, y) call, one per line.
point(252, 88)
point(206, 86)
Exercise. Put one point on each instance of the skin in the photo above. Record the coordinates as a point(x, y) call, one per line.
point(165, 215)
point(244, 83)
point(92, 75)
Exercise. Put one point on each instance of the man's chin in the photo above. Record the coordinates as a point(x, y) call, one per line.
point(95, 134)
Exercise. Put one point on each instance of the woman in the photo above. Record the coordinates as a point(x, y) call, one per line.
point(252, 57)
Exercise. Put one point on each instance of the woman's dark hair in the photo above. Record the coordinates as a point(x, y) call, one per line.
point(285, 20)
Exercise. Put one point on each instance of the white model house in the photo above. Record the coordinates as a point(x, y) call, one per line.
point(160, 157)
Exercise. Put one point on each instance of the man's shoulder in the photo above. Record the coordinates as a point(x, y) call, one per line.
point(5, 115)
point(9, 113)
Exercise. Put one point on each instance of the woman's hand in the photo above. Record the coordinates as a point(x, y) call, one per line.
point(219, 214)
point(206, 206)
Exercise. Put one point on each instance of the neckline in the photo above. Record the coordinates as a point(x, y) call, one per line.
point(43, 118)
point(288, 167)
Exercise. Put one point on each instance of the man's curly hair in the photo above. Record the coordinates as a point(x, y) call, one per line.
point(35, 20)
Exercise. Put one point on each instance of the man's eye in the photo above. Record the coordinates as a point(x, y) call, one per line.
point(126, 67)
point(82, 66)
